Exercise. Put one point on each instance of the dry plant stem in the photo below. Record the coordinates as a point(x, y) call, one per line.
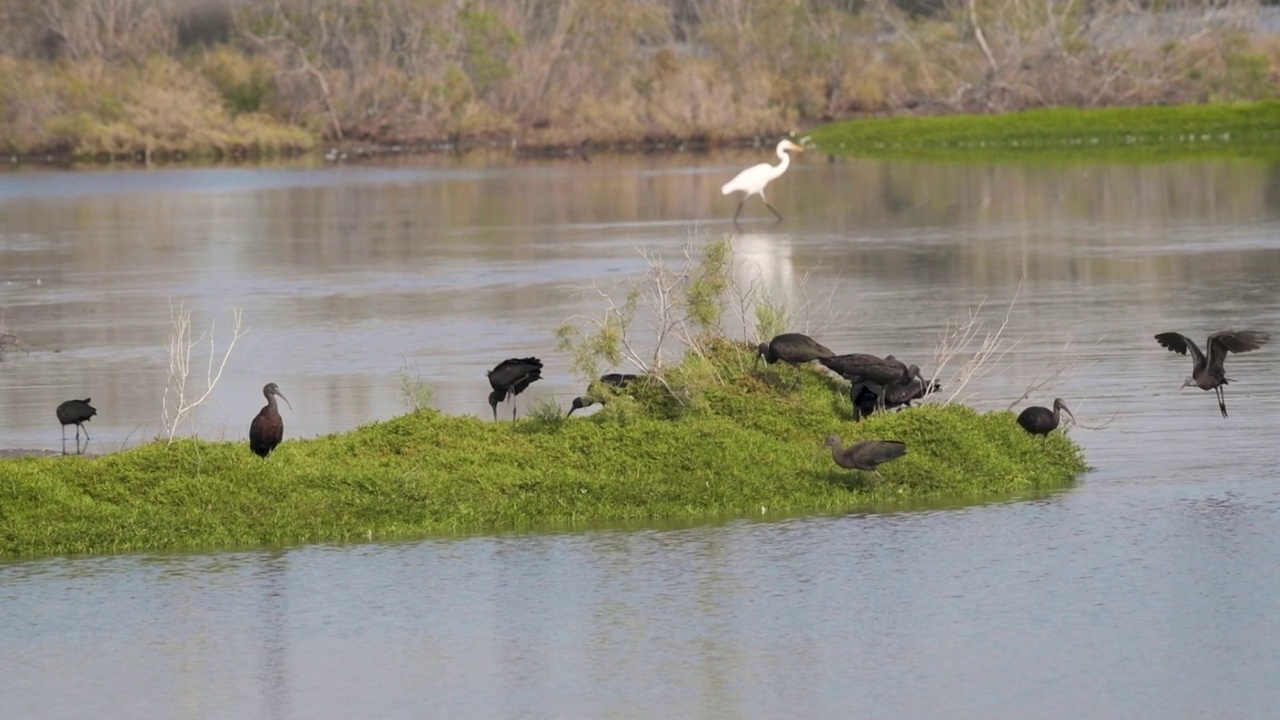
point(179, 400)
point(956, 339)
point(826, 306)
point(1060, 370)
point(982, 40)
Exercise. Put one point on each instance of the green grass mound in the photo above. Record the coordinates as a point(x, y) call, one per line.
point(1130, 133)
point(747, 440)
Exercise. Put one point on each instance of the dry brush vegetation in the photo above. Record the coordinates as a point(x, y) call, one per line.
point(231, 76)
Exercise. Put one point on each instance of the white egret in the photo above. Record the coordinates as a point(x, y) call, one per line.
point(752, 180)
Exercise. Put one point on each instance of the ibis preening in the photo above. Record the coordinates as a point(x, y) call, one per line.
point(75, 412)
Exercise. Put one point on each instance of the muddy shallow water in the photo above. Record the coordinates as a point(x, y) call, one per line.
point(1146, 591)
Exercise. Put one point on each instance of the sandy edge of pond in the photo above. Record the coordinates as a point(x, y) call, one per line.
point(21, 453)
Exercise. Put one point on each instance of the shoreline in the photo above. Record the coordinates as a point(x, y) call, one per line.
point(349, 151)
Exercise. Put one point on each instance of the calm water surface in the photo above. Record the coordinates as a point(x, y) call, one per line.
point(1149, 590)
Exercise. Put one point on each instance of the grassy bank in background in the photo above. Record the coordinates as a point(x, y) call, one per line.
point(750, 444)
point(1251, 129)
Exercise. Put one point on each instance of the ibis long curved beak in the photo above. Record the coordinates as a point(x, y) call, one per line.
point(285, 399)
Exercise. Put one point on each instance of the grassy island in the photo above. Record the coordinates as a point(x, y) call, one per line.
point(751, 442)
point(709, 433)
point(1132, 133)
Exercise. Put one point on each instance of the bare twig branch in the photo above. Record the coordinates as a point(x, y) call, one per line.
point(177, 402)
point(956, 339)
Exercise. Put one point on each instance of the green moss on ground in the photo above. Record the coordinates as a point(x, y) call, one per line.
point(751, 443)
point(1130, 133)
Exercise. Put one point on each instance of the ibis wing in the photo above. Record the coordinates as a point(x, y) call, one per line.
point(1221, 343)
point(1179, 343)
point(875, 452)
point(1238, 341)
point(255, 431)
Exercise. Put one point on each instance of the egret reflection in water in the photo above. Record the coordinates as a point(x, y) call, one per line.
point(765, 259)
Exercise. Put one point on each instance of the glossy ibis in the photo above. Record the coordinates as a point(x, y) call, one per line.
point(793, 348)
point(895, 394)
point(267, 429)
point(1039, 420)
point(902, 392)
point(509, 378)
point(860, 367)
point(75, 412)
point(752, 180)
point(866, 455)
point(1206, 371)
point(614, 380)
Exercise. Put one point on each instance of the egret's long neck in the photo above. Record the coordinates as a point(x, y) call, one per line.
point(782, 166)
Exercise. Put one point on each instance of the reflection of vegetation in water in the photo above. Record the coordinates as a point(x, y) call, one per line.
point(1129, 133)
point(711, 434)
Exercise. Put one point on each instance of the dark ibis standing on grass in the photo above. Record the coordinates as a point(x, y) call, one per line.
point(896, 394)
point(509, 378)
point(615, 380)
point(267, 429)
point(75, 412)
point(856, 367)
point(793, 348)
point(1207, 372)
point(902, 392)
point(1041, 421)
point(866, 455)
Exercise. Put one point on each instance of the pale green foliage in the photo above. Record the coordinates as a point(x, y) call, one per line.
point(705, 294)
point(600, 344)
point(545, 411)
point(771, 319)
point(416, 392)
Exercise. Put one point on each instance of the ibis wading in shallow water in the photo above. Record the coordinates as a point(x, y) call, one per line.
point(1206, 370)
point(267, 429)
point(1041, 421)
point(752, 180)
point(509, 378)
point(75, 412)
